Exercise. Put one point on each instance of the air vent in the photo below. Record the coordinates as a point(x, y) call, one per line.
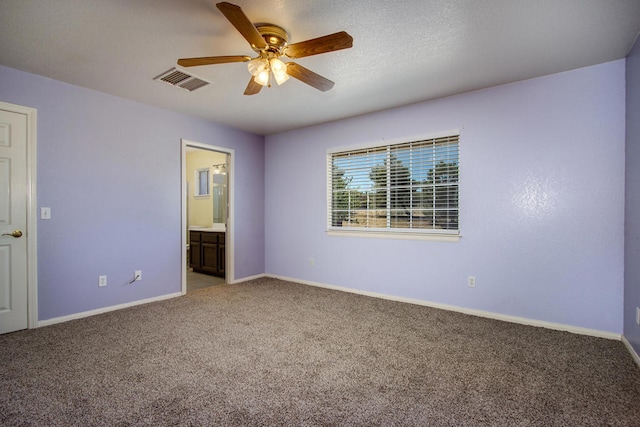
point(180, 79)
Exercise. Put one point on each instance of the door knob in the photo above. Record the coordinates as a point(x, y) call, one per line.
point(16, 234)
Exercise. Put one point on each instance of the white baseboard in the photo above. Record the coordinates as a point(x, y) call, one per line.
point(75, 316)
point(634, 355)
point(473, 312)
point(246, 279)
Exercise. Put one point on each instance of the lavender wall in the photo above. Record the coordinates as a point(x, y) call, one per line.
point(109, 169)
point(542, 196)
point(632, 205)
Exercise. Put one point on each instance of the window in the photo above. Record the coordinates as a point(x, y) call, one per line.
point(409, 187)
point(202, 182)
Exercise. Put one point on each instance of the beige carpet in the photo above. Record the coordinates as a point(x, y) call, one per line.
point(269, 352)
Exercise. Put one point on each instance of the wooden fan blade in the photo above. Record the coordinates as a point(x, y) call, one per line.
point(309, 77)
point(336, 41)
point(209, 60)
point(252, 88)
point(238, 19)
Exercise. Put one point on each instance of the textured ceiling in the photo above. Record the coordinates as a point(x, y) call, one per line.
point(403, 52)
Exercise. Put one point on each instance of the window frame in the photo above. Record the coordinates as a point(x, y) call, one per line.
point(198, 183)
point(450, 235)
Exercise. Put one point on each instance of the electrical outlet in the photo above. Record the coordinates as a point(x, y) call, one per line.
point(137, 275)
point(471, 281)
point(102, 281)
point(312, 262)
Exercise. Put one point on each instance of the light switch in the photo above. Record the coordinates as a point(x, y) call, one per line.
point(45, 213)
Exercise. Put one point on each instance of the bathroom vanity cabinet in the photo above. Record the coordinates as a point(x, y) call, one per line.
point(206, 252)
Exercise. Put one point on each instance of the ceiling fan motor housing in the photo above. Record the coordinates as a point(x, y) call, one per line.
point(276, 37)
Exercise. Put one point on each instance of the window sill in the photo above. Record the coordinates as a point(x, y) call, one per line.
point(435, 237)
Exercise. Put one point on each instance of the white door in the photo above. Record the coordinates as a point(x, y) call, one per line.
point(13, 221)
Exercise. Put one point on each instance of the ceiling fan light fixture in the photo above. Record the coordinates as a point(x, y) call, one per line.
point(263, 77)
point(257, 65)
point(279, 70)
point(281, 78)
point(277, 66)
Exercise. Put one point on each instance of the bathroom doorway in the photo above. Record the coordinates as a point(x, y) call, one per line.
point(207, 215)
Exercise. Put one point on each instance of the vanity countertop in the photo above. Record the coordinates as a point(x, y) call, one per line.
point(216, 228)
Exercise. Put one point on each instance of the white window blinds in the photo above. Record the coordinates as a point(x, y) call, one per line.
point(406, 187)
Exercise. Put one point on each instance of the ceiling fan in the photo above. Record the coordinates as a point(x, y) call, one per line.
point(271, 42)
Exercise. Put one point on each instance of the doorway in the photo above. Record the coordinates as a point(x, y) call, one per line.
point(207, 215)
